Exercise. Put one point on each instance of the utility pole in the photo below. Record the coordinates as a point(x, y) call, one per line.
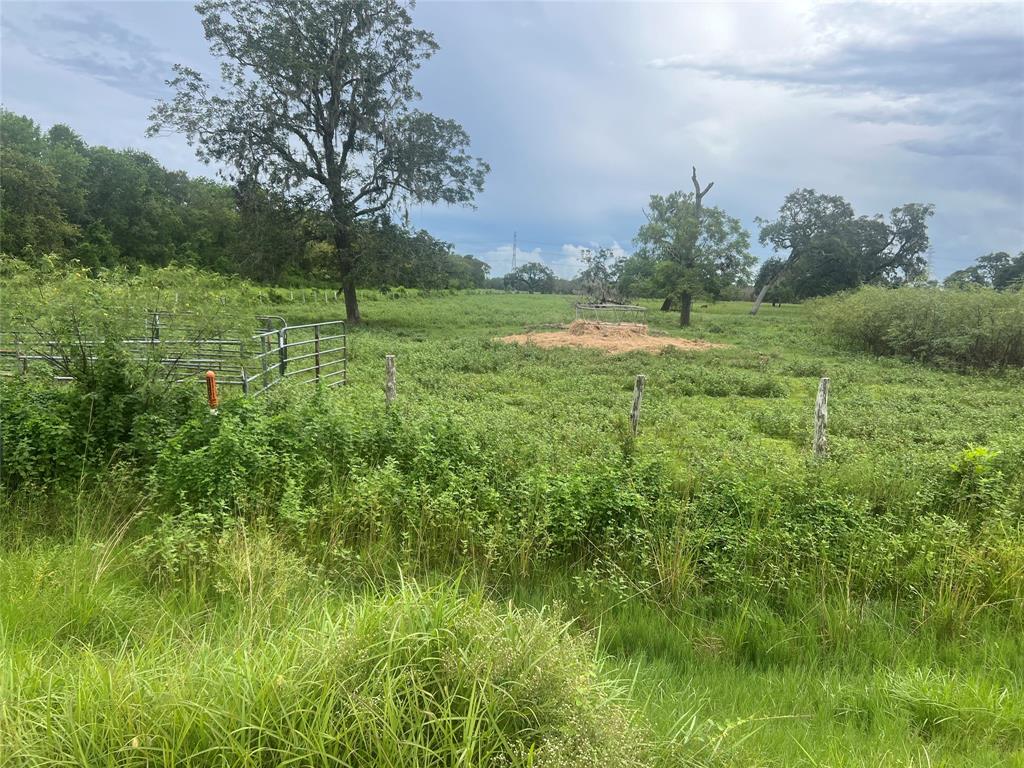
point(514, 248)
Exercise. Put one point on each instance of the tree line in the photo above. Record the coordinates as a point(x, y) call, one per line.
point(109, 207)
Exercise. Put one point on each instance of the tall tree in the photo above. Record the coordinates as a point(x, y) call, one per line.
point(316, 95)
point(831, 249)
point(532, 277)
point(691, 250)
point(600, 274)
point(34, 222)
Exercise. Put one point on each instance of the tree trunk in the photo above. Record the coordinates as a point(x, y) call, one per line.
point(348, 287)
point(764, 289)
point(346, 265)
point(760, 298)
point(666, 306)
point(686, 300)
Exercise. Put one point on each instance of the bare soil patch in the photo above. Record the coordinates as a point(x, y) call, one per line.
point(613, 338)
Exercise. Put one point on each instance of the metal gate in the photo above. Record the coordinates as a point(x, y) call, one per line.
point(315, 353)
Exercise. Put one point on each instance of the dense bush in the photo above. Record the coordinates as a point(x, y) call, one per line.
point(979, 328)
point(113, 412)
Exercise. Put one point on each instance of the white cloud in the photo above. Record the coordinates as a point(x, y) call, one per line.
point(580, 129)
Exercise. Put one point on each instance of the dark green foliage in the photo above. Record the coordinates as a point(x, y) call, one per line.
point(532, 277)
point(996, 270)
point(830, 249)
point(114, 411)
point(770, 275)
point(391, 257)
point(34, 221)
point(979, 328)
point(111, 208)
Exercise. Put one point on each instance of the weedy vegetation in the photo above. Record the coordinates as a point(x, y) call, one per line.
point(495, 571)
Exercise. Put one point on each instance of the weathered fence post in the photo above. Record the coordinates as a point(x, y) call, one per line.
point(821, 420)
point(156, 326)
point(390, 388)
point(245, 381)
point(638, 396)
point(316, 350)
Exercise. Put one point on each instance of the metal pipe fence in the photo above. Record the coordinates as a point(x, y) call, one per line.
point(314, 353)
point(323, 347)
point(609, 312)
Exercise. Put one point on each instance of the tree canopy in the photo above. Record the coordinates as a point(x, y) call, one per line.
point(996, 270)
point(831, 249)
point(315, 100)
point(600, 275)
point(106, 208)
point(532, 277)
point(686, 249)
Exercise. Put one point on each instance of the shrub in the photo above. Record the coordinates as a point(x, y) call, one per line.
point(980, 328)
point(114, 410)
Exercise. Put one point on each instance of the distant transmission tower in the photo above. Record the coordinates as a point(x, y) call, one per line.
point(514, 247)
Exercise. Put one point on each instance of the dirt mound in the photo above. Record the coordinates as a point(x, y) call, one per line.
point(607, 337)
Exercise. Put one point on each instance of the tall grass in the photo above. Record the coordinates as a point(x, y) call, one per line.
point(282, 670)
point(976, 328)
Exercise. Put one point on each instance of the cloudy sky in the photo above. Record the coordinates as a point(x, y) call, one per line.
point(585, 109)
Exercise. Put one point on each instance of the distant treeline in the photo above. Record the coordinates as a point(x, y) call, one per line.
point(107, 207)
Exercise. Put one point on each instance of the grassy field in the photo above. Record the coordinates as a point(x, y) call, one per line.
point(712, 595)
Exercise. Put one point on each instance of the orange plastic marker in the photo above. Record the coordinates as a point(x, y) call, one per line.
point(211, 390)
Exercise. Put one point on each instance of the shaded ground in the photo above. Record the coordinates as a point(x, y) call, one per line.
point(607, 337)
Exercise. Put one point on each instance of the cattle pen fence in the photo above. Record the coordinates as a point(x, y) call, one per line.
point(180, 349)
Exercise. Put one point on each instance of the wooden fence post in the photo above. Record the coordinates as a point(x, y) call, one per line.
point(821, 420)
point(390, 388)
point(316, 350)
point(638, 396)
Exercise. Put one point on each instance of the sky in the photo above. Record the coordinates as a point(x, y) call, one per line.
point(584, 110)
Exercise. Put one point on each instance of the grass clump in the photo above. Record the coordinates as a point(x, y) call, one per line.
point(981, 328)
point(417, 677)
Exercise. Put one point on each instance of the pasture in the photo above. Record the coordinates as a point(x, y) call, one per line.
point(312, 576)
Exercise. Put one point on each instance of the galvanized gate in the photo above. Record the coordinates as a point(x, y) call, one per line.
point(314, 353)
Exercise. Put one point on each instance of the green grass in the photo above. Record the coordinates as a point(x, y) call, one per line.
point(894, 642)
